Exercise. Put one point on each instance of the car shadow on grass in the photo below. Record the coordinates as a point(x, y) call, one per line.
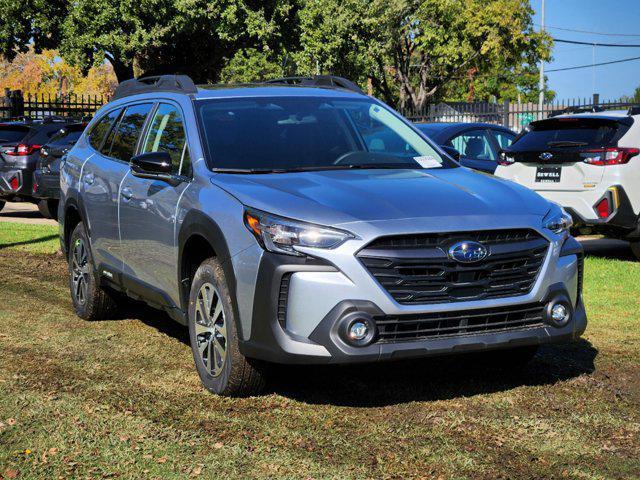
point(438, 378)
point(389, 383)
point(607, 248)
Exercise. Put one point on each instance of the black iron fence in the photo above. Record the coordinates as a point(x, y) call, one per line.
point(510, 114)
point(15, 105)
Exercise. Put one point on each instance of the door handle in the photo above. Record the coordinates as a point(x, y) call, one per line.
point(89, 178)
point(126, 193)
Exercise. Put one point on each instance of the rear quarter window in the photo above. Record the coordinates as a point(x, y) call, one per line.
point(585, 132)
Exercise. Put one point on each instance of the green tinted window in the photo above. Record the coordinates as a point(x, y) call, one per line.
point(166, 134)
point(128, 130)
point(100, 129)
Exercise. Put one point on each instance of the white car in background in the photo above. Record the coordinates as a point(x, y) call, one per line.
point(589, 163)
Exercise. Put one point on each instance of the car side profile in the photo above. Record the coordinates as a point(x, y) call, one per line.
point(302, 221)
point(473, 145)
point(588, 162)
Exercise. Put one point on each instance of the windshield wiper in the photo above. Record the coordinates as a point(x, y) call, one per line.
point(567, 143)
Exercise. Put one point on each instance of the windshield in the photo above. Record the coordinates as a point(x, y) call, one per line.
point(310, 133)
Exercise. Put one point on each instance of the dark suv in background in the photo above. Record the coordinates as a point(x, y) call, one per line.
point(20, 144)
point(46, 178)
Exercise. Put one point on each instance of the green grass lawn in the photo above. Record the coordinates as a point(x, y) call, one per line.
point(121, 398)
point(29, 238)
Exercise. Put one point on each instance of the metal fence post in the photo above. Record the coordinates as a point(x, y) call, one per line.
point(596, 98)
point(505, 113)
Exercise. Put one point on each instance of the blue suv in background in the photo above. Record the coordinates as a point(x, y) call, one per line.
point(301, 221)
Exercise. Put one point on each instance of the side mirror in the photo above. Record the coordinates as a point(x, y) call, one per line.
point(154, 166)
point(152, 162)
point(452, 152)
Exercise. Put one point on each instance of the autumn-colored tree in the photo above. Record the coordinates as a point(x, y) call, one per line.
point(47, 73)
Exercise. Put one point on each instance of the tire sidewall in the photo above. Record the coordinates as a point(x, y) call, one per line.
point(82, 310)
point(211, 272)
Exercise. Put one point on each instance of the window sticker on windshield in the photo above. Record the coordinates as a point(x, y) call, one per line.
point(427, 161)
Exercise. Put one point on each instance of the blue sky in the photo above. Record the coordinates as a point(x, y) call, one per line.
point(605, 16)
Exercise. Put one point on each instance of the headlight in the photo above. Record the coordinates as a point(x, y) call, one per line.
point(557, 220)
point(281, 235)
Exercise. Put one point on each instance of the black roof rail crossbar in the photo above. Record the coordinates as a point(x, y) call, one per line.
point(157, 83)
point(331, 81)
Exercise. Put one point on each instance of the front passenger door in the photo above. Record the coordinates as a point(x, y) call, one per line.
point(148, 211)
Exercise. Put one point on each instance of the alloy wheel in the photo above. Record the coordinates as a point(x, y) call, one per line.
point(80, 271)
point(211, 329)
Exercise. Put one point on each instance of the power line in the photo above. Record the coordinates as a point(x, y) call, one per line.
point(594, 64)
point(590, 32)
point(574, 42)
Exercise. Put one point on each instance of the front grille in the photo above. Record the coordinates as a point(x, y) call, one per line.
point(416, 269)
point(468, 322)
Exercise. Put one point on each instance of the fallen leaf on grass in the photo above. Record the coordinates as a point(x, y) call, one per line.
point(11, 421)
point(162, 460)
point(218, 445)
point(10, 473)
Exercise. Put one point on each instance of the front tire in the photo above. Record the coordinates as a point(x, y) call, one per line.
point(635, 248)
point(214, 339)
point(2, 203)
point(90, 300)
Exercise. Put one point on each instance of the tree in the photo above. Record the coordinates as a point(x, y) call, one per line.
point(411, 50)
point(635, 98)
point(194, 37)
point(47, 74)
point(30, 22)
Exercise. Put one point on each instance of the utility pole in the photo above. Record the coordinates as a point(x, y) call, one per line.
point(541, 84)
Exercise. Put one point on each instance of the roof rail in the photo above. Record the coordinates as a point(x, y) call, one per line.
point(330, 81)
point(157, 83)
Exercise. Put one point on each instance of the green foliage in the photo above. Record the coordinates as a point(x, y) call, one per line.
point(635, 98)
point(408, 51)
point(411, 50)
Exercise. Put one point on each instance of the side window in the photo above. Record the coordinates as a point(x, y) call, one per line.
point(167, 134)
point(100, 129)
point(504, 139)
point(127, 131)
point(473, 144)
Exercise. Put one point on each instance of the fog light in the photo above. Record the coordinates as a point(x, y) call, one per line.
point(358, 331)
point(560, 314)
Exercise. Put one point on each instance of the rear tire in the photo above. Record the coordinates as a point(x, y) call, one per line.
point(2, 203)
point(214, 339)
point(48, 208)
point(90, 300)
point(635, 248)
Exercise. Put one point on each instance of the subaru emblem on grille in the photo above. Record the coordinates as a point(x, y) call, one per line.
point(546, 156)
point(468, 252)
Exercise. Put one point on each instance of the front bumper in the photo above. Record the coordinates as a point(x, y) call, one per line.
point(298, 304)
point(46, 185)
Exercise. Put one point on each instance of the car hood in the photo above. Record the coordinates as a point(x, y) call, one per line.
point(341, 196)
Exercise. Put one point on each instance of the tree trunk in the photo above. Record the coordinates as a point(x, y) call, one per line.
point(123, 72)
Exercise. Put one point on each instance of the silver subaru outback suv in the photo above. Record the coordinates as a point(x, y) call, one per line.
point(301, 221)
